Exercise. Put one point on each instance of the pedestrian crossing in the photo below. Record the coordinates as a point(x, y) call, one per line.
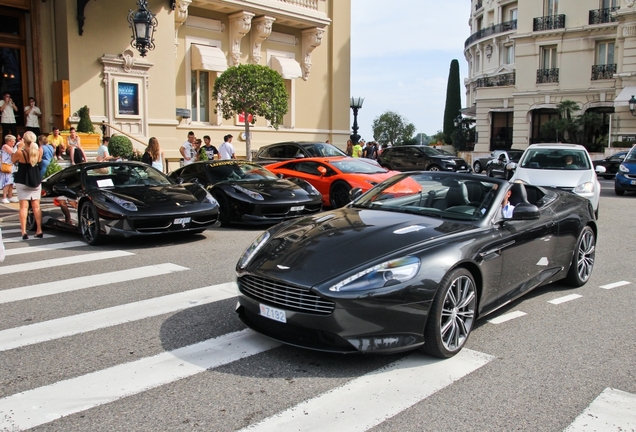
point(359, 404)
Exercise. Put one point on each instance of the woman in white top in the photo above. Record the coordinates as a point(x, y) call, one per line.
point(154, 155)
point(74, 146)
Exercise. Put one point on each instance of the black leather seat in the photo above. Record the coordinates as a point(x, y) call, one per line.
point(519, 194)
point(457, 195)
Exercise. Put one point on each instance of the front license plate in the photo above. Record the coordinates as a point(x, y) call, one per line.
point(633, 182)
point(181, 221)
point(297, 208)
point(273, 313)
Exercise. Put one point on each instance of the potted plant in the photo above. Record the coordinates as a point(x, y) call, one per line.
point(120, 146)
point(89, 139)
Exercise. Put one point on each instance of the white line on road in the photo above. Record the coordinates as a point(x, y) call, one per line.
point(371, 399)
point(564, 299)
point(102, 318)
point(506, 317)
point(31, 237)
point(66, 285)
point(44, 404)
point(612, 410)
point(55, 262)
point(44, 248)
point(11, 231)
point(615, 285)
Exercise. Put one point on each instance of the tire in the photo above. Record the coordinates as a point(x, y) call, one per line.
point(89, 224)
point(597, 211)
point(477, 167)
point(452, 315)
point(608, 177)
point(339, 194)
point(618, 191)
point(489, 172)
point(434, 168)
point(224, 209)
point(583, 259)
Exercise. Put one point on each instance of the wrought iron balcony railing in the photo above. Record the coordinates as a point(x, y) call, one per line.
point(489, 31)
point(547, 76)
point(602, 16)
point(549, 22)
point(507, 79)
point(478, 5)
point(606, 71)
point(310, 4)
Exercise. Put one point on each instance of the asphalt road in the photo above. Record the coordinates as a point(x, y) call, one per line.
point(142, 335)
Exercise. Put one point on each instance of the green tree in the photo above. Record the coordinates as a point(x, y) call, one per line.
point(586, 129)
point(254, 90)
point(453, 101)
point(392, 128)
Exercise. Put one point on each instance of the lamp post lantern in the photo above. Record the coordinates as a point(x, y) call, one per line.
point(632, 104)
point(143, 24)
point(356, 104)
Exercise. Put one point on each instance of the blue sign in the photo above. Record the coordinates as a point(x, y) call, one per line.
point(128, 98)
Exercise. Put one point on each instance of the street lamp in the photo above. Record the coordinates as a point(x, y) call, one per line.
point(143, 24)
point(632, 105)
point(356, 104)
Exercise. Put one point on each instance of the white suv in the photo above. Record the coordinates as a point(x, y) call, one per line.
point(564, 166)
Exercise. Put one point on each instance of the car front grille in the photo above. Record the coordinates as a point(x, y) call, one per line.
point(282, 294)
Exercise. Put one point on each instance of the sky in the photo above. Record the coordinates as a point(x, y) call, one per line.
point(401, 52)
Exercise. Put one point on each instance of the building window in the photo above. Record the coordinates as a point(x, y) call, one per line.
point(549, 57)
point(607, 4)
point(540, 133)
point(501, 130)
point(509, 54)
point(200, 96)
point(551, 7)
point(605, 53)
point(513, 14)
point(477, 62)
point(596, 134)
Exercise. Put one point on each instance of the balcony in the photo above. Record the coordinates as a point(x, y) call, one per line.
point(496, 81)
point(545, 76)
point(550, 22)
point(478, 5)
point(602, 16)
point(489, 31)
point(606, 71)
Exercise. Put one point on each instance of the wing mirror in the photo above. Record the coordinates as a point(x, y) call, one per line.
point(525, 211)
point(600, 169)
point(511, 166)
point(179, 180)
point(354, 193)
point(322, 170)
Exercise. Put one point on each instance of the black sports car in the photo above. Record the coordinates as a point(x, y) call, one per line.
point(412, 263)
point(249, 193)
point(123, 199)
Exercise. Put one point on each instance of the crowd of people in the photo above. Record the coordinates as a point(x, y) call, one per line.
point(363, 149)
point(192, 149)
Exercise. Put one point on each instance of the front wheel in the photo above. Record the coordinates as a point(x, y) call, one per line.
point(452, 315)
point(477, 167)
point(583, 259)
point(434, 168)
point(339, 194)
point(89, 224)
point(618, 191)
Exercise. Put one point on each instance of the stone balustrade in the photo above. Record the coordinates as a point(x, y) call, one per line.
point(310, 4)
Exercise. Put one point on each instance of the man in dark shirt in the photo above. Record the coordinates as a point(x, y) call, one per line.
point(209, 148)
point(369, 151)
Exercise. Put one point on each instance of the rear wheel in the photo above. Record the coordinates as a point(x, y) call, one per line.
point(477, 167)
point(339, 194)
point(452, 315)
point(30, 220)
point(583, 259)
point(434, 168)
point(89, 224)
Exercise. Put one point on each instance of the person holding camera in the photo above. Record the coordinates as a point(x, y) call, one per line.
point(7, 117)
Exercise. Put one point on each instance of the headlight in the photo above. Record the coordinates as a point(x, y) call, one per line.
point(382, 275)
point(450, 162)
point(587, 187)
point(623, 168)
point(209, 198)
point(311, 190)
point(253, 249)
point(125, 204)
point(249, 193)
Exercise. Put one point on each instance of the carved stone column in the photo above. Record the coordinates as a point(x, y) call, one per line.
point(262, 28)
point(180, 16)
point(312, 38)
point(240, 25)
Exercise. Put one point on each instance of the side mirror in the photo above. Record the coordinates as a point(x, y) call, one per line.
point(179, 180)
point(511, 166)
point(525, 211)
point(600, 169)
point(354, 193)
point(322, 170)
point(280, 176)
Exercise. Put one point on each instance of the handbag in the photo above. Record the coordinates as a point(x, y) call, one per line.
point(7, 168)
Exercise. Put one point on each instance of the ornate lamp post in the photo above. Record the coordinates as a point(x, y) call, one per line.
point(356, 104)
point(632, 104)
point(143, 24)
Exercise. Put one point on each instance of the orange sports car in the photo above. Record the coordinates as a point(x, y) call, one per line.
point(334, 177)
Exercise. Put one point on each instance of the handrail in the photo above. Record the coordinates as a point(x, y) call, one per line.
point(104, 124)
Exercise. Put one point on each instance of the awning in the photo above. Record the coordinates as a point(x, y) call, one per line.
point(624, 96)
point(470, 111)
point(286, 67)
point(208, 58)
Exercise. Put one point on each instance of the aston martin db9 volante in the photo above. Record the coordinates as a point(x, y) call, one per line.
point(123, 199)
point(412, 263)
point(249, 193)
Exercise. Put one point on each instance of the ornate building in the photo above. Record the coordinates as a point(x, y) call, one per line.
point(71, 53)
point(527, 56)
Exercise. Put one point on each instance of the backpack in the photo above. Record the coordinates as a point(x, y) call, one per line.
point(78, 156)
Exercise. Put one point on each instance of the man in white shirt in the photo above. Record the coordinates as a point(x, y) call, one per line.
point(32, 115)
point(226, 150)
point(7, 118)
point(187, 149)
point(507, 209)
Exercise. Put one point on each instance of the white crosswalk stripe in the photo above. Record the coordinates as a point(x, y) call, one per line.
point(612, 410)
point(31, 237)
point(55, 262)
point(44, 248)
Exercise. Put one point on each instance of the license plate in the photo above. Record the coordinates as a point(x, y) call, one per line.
point(633, 182)
point(273, 313)
point(297, 208)
point(181, 221)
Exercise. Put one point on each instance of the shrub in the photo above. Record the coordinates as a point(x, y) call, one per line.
point(85, 124)
point(52, 168)
point(623, 144)
point(120, 146)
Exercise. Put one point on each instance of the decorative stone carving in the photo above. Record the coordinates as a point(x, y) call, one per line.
point(261, 29)
point(312, 38)
point(488, 51)
point(630, 3)
point(629, 30)
point(283, 38)
point(240, 25)
point(180, 16)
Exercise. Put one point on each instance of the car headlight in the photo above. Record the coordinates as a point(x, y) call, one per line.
point(209, 198)
point(386, 274)
point(249, 193)
point(450, 162)
point(587, 187)
point(311, 190)
point(252, 249)
point(623, 168)
point(125, 204)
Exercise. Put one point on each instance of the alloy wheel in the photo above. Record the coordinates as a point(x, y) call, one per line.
point(458, 313)
point(585, 255)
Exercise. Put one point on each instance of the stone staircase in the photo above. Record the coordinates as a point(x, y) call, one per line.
point(91, 155)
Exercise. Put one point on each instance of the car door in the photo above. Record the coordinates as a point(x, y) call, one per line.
point(308, 171)
point(60, 208)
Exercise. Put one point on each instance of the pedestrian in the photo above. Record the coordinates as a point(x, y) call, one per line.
point(226, 150)
point(29, 182)
point(7, 118)
point(357, 150)
point(6, 176)
point(103, 154)
point(154, 155)
point(369, 151)
point(187, 149)
point(209, 148)
point(74, 148)
point(48, 153)
point(198, 150)
point(58, 142)
point(32, 116)
point(349, 150)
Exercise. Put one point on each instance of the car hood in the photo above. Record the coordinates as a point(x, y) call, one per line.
point(155, 196)
point(276, 190)
point(314, 249)
point(555, 178)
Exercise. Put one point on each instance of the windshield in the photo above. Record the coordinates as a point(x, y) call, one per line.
point(238, 171)
point(631, 156)
point(324, 150)
point(555, 159)
point(351, 165)
point(515, 156)
point(438, 195)
point(123, 175)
